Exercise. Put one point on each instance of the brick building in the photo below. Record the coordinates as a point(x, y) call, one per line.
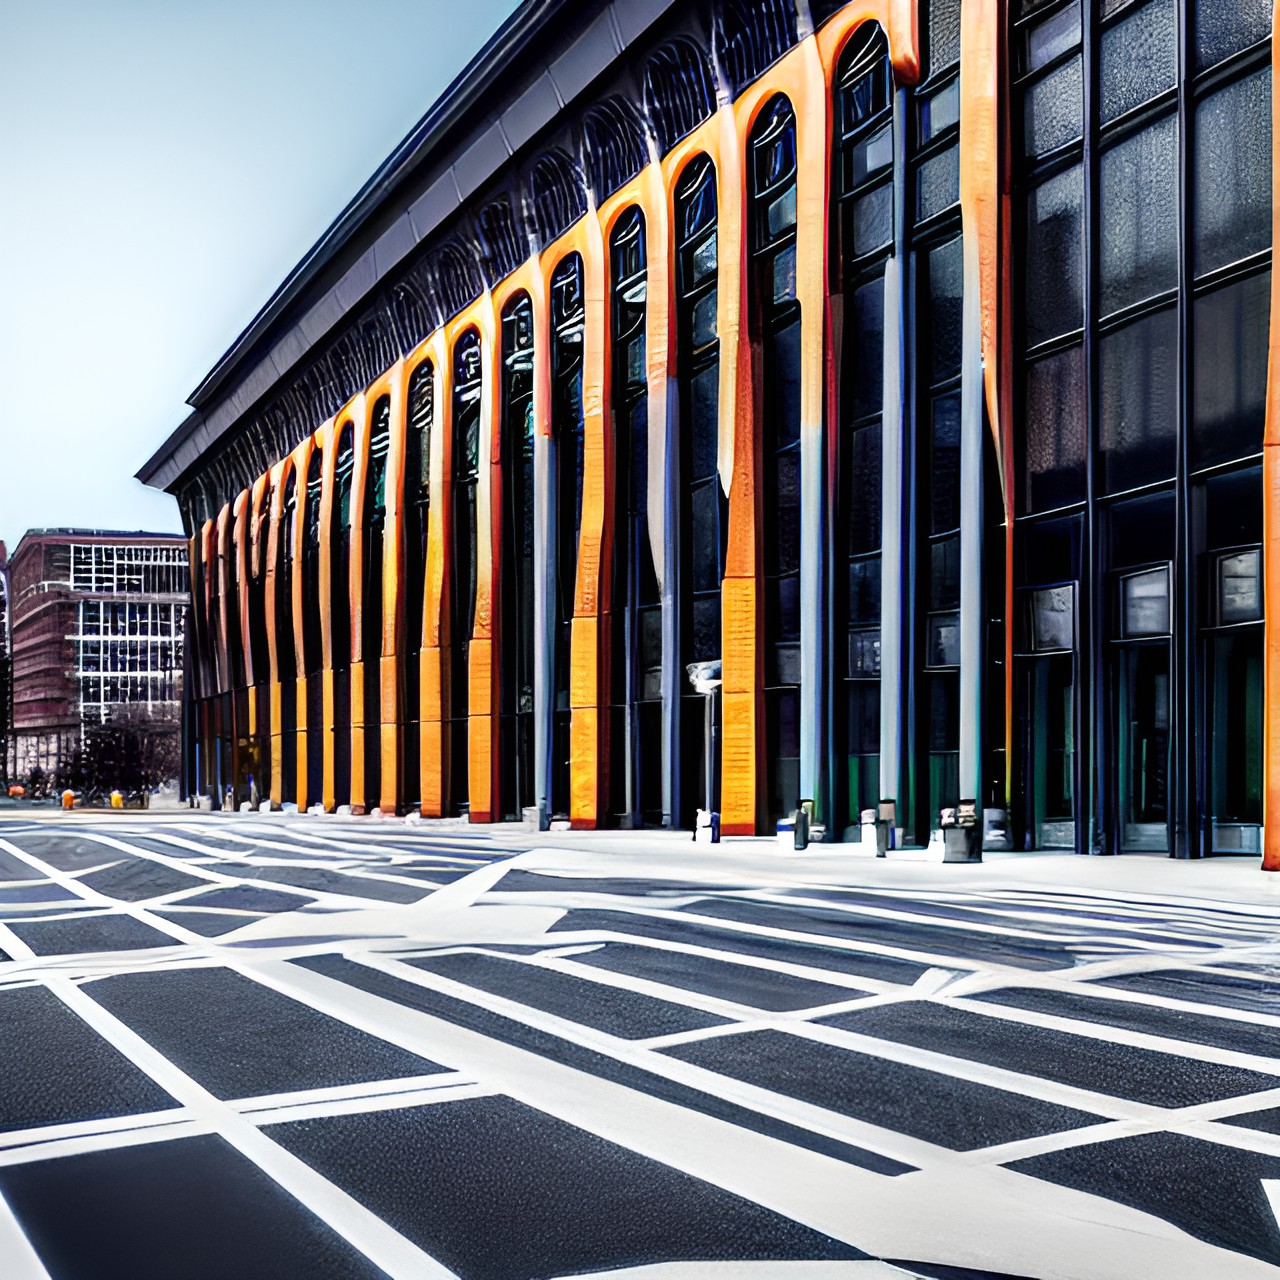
point(97, 623)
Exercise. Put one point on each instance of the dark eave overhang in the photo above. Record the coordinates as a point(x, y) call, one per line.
point(495, 84)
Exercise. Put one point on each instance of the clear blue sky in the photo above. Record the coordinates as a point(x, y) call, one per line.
point(163, 165)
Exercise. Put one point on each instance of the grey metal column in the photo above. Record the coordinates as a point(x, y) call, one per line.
point(972, 425)
point(893, 473)
point(544, 594)
point(665, 545)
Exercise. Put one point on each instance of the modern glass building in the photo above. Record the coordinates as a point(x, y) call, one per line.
point(902, 367)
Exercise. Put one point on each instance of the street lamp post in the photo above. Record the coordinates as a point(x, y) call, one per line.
point(706, 679)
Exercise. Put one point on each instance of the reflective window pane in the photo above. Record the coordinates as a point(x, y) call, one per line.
point(1225, 26)
point(1233, 173)
point(1139, 231)
point(866, 360)
point(864, 489)
point(1240, 587)
point(873, 221)
point(1054, 35)
point(872, 154)
point(1139, 402)
point(1232, 338)
point(1054, 275)
point(945, 465)
point(944, 34)
point(944, 640)
point(1051, 110)
point(1053, 619)
point(938, 184)
point(946, 308)
point(944, 574)
point(1054, 460)
point(939, 112)
point(1139, 57)
point(1145, 603)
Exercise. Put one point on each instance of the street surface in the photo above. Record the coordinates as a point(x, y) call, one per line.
point(243, 1047)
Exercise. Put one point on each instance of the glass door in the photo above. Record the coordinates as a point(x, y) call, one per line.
point(1142, 707)
point(1050, 716)
point(1234, 706)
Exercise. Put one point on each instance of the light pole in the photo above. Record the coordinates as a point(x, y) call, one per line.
point(706, 679)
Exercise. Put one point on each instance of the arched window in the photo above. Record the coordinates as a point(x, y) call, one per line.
point(568, 315)
point(467, 393)
point(340, 548)
point(457, 276)
point(751, 36)
point(776, 325)
point(286, 659)
point(499, 241)
point(415, 526)
point(613, 146)
point(411, 313)
point(311, 653)
point(371, 620)
point(516, 730)
point(679, 91)
point(635, 658)
point(556, 194)
point(704, 525)
point(260, 520)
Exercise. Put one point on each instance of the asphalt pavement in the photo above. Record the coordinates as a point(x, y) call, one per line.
point(248, 1046)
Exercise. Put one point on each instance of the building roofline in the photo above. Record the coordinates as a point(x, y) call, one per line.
point(424, 140)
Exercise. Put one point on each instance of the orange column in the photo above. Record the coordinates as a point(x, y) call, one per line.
point(1271, 512)
point(358, 413)
point(278, 474)
point(301, 459)
point(591, 594)
point(482, 693)
point(329, 437)
point(741, 756)
point(392, 384)
point(434, 623)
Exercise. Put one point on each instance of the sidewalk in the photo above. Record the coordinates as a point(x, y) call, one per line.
point(759, 860)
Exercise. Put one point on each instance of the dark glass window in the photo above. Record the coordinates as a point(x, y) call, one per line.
point(937, 184)
point(1223, 27)
point(1139, 402)
point(1139, 216)
point(1047, 39)
point(1055, 268)
point(946, 309)
point(1233, 172)
point(944, 34)
point(1056, 432)
point(1052, 111)
point(1139, 57)
point(1232, 347)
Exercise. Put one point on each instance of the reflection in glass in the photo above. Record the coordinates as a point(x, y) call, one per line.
point(1240, 587)
point(1052, 110)
point(1139, 216)
point(1055, 274)
point(1233, 173)
point(1139, 57)
point(1232, 347)
point(1145, 599)
point(1139, 402)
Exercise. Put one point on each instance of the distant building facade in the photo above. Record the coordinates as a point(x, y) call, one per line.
point(911, 360)
point(6, 673)
point(98, 620)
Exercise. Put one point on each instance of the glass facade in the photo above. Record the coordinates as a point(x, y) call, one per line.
point(1144, 270)
point(1022, 562)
